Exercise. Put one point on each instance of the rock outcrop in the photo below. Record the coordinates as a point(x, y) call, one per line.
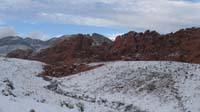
point(19, 53)
point(72, 55)
point(182, 46)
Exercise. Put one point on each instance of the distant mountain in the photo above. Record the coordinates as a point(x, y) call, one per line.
point(98, 39)
point(67, 44)
point(77, 48)
point(55, 40)
point(11, 43)
point(182, 46)
point(36, 43)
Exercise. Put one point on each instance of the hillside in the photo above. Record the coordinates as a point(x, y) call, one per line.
point(65, 46)
point(129, 86)
point(140, 86)
point(181, 46)
point(12, 43)
point(22, 89)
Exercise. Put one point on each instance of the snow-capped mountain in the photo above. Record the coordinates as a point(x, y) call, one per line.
point(120, 86)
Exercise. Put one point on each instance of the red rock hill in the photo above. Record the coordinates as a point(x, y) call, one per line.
point(183, 46)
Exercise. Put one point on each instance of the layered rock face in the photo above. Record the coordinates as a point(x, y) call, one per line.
point(19, 53)
point(70, 56)
point(182, 46)
point(79, 49)
point(179, 46)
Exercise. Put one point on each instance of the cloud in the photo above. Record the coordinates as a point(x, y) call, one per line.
point(114, 35)
point(75, 19)
point(7, 31)
point(10, 31)
point(160, 15)
point(37, 35)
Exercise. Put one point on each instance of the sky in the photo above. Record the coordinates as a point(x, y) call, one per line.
point(44, 19)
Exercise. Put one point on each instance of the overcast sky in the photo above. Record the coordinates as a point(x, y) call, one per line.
point(48, 18)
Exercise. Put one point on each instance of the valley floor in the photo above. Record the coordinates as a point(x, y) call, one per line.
point(122, 86)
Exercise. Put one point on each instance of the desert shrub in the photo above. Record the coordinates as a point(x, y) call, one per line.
point(32, 110)
point(80, 107)
point(151, 87)
point(68, 105)
point(128, 108)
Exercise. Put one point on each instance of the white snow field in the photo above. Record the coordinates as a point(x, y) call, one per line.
point(122, 86)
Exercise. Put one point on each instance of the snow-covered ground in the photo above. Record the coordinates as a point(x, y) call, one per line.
point(21, 90)
point(115, 87)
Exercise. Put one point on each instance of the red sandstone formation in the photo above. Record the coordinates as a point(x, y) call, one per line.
point(183, 46)
point(65, 70)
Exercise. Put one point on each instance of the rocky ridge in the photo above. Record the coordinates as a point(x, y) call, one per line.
point(182, 46)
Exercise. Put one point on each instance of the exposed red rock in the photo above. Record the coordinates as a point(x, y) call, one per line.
point(67, 57)
point(179, 46)
point(133, 46)
point(182, 46)
point(65, 70)
point(19, 53)
point(75, 50)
